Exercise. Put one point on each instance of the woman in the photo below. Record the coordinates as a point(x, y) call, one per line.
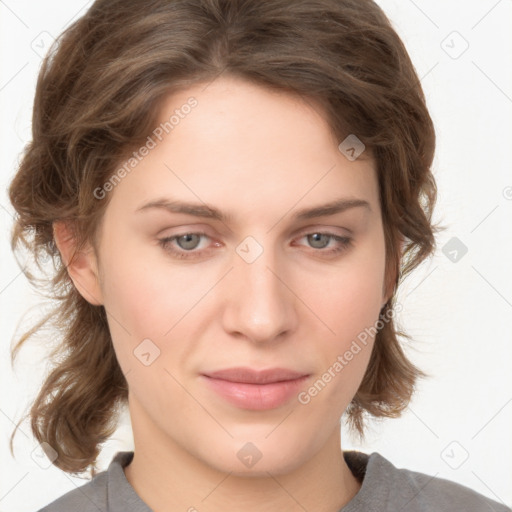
point(231, 191)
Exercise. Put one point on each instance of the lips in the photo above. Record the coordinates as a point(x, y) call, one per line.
point(256, 390)
point(251, 376)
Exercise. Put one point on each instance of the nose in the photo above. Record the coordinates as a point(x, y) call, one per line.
point(260, 304)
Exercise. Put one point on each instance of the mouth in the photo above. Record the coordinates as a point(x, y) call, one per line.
point(250, 389)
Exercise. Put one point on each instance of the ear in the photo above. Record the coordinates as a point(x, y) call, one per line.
point(82, 266)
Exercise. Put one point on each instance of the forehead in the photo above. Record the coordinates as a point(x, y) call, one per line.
point(247, 116)
point(248, 147)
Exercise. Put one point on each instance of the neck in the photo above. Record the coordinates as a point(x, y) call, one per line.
point(168, 478)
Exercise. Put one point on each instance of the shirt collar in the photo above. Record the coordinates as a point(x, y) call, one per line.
point(121, 496)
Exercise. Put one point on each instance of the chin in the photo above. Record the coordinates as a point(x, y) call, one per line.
point(256, 458)
point(273, 465)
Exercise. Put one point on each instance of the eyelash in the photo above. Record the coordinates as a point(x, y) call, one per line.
point(345, 243)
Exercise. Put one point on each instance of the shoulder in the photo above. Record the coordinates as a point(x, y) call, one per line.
point(388, 488)
point(90, 497)
point(418, 491)
point(107, 491)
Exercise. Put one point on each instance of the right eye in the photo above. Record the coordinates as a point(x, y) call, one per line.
point(183, 245)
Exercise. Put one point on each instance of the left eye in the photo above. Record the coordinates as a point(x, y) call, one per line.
point(319, 240)
point(184, 245)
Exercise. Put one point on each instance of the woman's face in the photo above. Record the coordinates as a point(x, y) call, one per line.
point(258, 282)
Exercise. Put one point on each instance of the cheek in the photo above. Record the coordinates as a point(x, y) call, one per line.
point(348, 302)
point(148, 299)
point(345, 351)
point(143, 292)
point(349, 297)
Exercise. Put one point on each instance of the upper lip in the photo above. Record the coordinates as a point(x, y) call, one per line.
point(252, 376)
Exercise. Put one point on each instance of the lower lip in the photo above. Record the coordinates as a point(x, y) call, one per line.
point(256, 397)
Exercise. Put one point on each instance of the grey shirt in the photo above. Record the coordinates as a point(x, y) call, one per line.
point(384, 488)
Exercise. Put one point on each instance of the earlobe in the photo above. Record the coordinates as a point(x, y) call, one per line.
point(81, 265)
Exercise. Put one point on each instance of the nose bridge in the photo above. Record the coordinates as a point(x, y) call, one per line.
point(260, 307)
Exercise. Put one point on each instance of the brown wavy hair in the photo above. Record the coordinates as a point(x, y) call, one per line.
point(98, 96)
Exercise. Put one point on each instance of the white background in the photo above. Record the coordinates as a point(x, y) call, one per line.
point(459, 313)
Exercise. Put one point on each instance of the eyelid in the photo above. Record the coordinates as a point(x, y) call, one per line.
point(166, 241)
point(204, 229)
point(344, 243)
point(308, 230)
point(323, 228)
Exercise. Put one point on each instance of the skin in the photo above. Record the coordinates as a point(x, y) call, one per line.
point(260, 156)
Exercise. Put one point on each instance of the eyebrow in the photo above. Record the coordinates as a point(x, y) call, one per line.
point(210, 212)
